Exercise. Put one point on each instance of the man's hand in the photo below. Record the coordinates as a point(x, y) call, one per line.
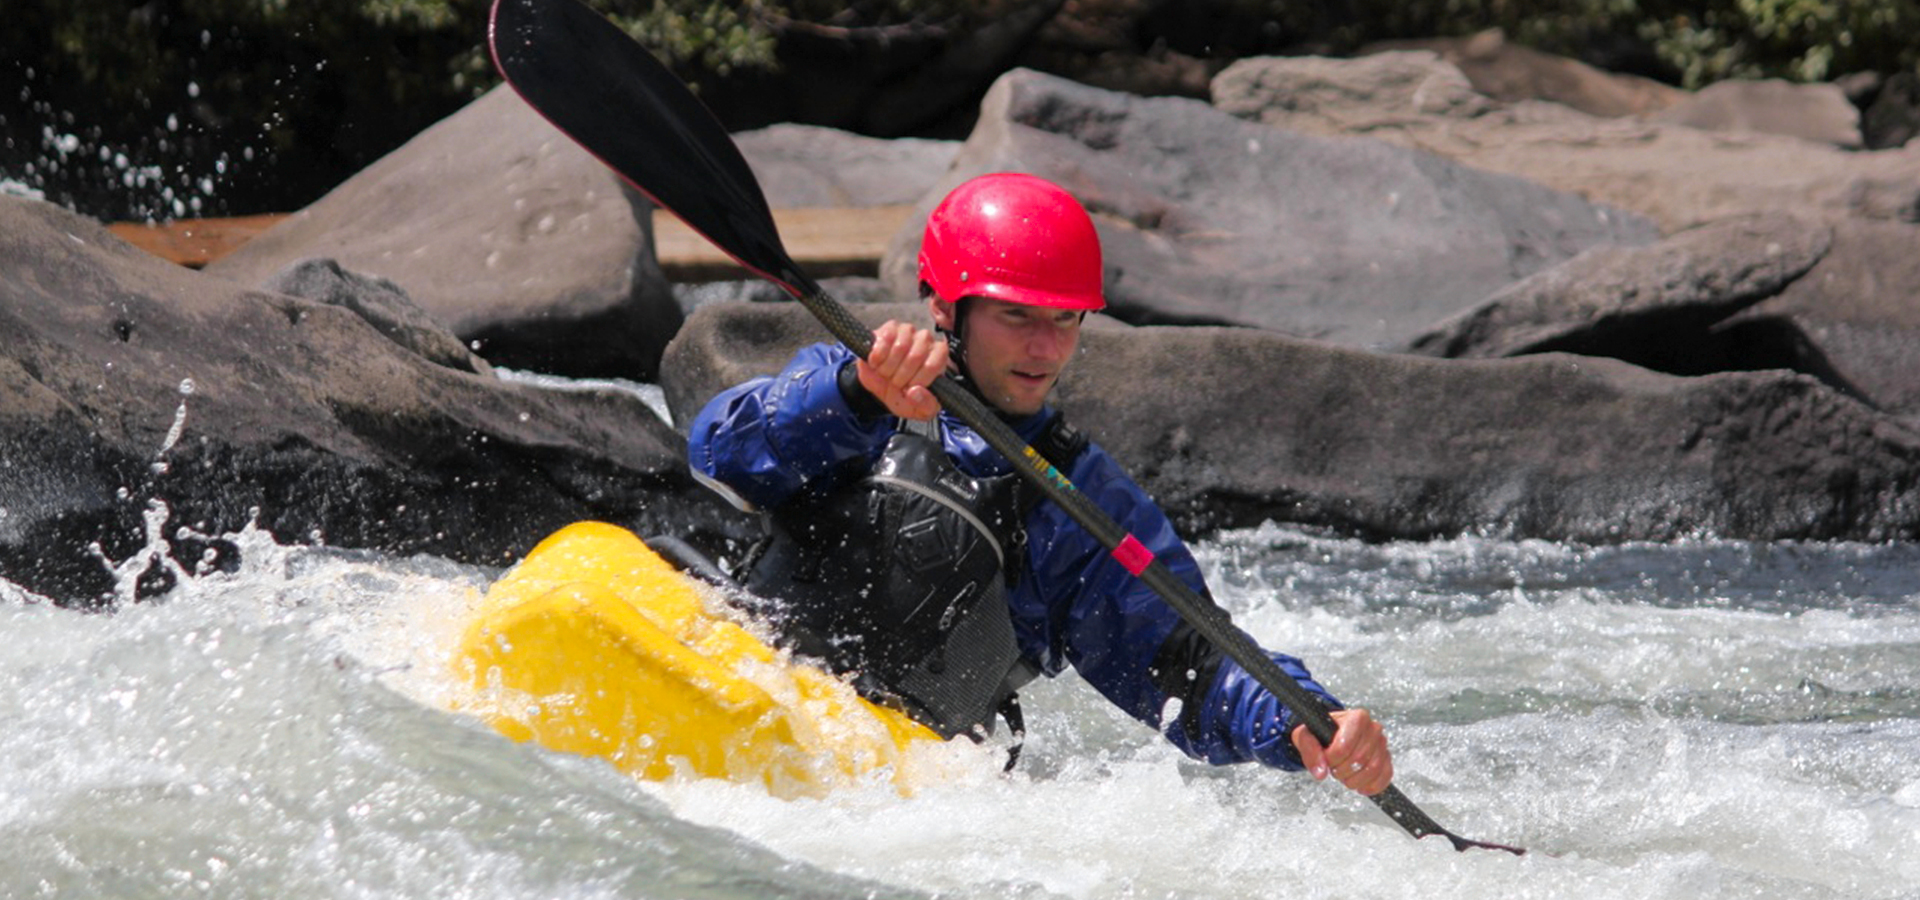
point(904, 360)
point(1358, 756)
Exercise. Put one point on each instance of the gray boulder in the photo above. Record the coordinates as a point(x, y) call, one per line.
point(1857, 313)
point(1207, 219)
point(849, 289)
point(1230, 427)
point(1847, 321)
point(1329, 96)
point(1830, 299)
point(383, 304)
point(1892, 118)
point(1510, 72)
point(1638, 303)
point(129, 385)
point(1811, 112)
point(501, 227)
point(1676, 175)
point(809, 166)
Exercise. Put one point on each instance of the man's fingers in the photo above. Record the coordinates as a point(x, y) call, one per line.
point(1368, 778)
point(884, 357)
point(933, 363)
point(901, 363)
point(1357, 756)
point(1312, 755)
point(1374, 779)
point(901, 355)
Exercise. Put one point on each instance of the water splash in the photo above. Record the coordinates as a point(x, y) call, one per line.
point(169, 171)
point(156, 552)
point(278, 722)
point(179, 427)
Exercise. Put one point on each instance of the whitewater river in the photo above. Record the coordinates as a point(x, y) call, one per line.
point(1699, 720)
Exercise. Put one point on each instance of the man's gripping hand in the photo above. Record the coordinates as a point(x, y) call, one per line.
point(1358, 756)
point(903, 362)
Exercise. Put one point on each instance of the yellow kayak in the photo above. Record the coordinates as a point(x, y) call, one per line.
point(596, 645)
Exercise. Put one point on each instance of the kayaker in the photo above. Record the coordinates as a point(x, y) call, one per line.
point(904, 552)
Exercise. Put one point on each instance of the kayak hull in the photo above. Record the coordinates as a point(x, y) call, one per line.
point(596, 645)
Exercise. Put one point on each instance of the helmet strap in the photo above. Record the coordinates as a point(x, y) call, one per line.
point(957, 351)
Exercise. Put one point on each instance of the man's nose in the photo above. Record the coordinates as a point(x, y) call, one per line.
point(1046, 340)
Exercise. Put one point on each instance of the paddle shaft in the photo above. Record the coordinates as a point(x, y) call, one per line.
point(616, 100)
point(1204, 616)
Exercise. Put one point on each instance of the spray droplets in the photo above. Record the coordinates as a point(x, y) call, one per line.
point(160, 464)
point(169, 167)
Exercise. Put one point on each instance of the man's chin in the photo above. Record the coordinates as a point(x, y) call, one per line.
point(1014, 407)
point(1020, 398)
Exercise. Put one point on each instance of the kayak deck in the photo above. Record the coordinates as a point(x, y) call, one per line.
point(596, 645)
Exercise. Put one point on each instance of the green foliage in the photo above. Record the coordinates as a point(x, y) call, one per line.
point(179, 107)
point(703, 36)
point(210, 107)
point(1696, 42)
point(719, 37)
point(414, 13)
point(1802, 40)
point(132, 110)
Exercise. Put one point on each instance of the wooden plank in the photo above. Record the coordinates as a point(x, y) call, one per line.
point(193, 242)
point(826, 242)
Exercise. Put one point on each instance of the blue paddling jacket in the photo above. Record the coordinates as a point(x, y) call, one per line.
point(762, 442)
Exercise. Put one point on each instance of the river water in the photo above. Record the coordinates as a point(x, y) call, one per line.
point(1705, 719)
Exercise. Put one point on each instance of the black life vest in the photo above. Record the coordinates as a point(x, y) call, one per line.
point(899, 579)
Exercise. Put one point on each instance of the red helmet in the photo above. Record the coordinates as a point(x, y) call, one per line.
point(1016, 238)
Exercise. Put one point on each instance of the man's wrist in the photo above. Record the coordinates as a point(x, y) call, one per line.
point(862, 401)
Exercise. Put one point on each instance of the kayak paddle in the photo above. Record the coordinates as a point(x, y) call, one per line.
point(601, 88)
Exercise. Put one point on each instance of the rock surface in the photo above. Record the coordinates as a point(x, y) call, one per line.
point(1230, 427)
point(1510, 72)
point(1674, 174)
point(1207, 219)
point(1812, 112)
point(1638, 303)
point(808, 166)
point(1849, 321)
point(382, 304)
point(1892, 118)
point(502, 228)
point(129, 386)
point(325, 383)
point(1858, 312)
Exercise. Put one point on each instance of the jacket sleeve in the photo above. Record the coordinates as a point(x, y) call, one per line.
point(1124, 639)
point(766, 439)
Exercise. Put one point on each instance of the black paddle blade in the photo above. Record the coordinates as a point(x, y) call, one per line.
point(600, 87)
point(1464, 844)
point(1420, 825)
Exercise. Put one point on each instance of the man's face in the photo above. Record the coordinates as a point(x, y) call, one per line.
point(1014, 352)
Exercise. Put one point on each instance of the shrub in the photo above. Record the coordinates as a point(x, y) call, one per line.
point(211, 107)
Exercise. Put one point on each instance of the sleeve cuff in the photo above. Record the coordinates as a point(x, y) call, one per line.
point(862, 401)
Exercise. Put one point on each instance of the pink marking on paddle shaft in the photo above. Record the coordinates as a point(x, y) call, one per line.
point(1133, 555)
